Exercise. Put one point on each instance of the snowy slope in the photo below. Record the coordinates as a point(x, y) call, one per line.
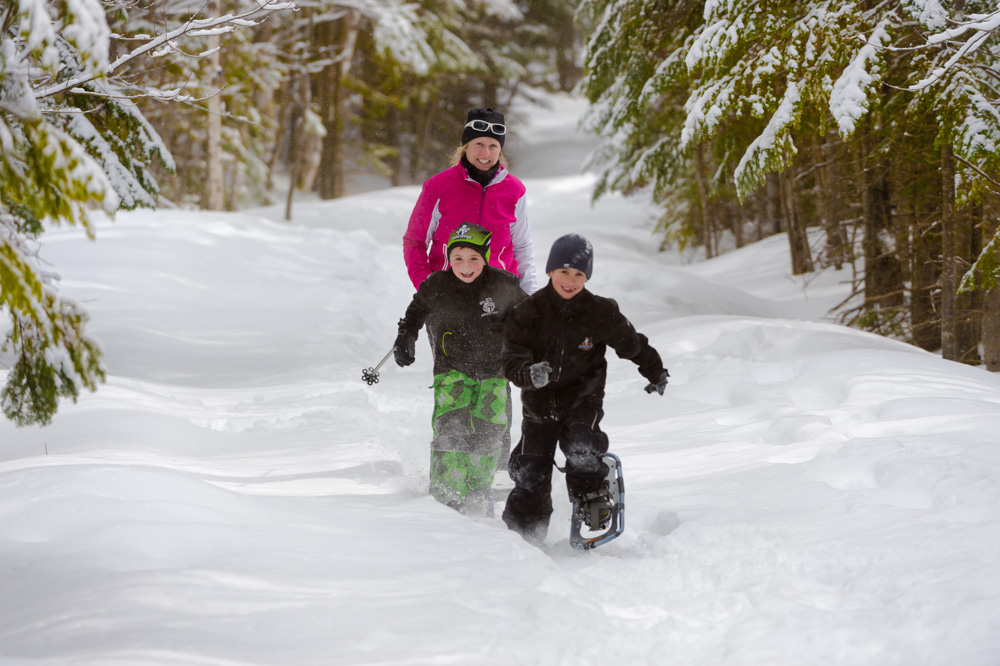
point(236, 495)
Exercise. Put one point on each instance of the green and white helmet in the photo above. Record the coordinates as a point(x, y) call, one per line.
point(473, 236)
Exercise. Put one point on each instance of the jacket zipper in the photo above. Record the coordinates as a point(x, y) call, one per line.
point(482, 204)
point(562, 336)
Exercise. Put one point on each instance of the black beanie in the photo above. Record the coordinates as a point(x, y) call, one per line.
point(490, 116)
point(571, 251)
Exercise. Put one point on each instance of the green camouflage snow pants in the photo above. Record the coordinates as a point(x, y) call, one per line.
point(469, 421)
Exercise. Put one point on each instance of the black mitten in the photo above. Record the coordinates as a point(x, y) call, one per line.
point(404, 348)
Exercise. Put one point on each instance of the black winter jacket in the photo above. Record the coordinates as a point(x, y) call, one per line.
point(572, 335)
point(465, 321)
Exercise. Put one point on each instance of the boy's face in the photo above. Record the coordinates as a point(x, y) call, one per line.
point(466, 263)
point(568, 282)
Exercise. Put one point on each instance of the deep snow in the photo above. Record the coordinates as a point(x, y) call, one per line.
point(236, 495)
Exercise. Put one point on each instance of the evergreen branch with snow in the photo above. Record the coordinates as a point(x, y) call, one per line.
point(71, 143)
point(193, 27)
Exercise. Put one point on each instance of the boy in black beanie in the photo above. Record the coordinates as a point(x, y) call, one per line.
point(554, 346)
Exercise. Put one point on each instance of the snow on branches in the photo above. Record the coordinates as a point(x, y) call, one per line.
point(976, 31)
point(849, 101)
point(755, 70)
point(71, 141)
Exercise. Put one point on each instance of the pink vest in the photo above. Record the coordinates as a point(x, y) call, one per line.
point(451, 198)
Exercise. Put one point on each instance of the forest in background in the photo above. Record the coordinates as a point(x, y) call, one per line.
point(873, 121)
point(119, 104)
point(337, 88)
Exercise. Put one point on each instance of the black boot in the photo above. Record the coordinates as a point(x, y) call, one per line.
point(529, 505)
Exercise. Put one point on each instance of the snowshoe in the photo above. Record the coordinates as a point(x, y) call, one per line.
point(599, 517)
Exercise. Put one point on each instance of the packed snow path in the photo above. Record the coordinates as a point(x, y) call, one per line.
point(236, 495)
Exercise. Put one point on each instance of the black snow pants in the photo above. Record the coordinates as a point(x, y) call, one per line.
point(529, 505)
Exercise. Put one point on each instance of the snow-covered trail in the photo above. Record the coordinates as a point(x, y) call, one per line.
point(236, 495)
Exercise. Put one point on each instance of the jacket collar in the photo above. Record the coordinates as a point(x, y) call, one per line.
point(498, 177)
point(483, 278)
point(558, 301)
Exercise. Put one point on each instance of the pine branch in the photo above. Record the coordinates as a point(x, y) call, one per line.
point(976, 169)
point(225, 23)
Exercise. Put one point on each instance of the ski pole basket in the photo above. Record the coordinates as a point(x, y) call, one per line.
point(370, 375)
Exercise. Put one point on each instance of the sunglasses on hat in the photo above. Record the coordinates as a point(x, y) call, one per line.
point(483, 126)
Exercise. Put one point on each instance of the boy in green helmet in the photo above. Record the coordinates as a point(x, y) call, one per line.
point(464, 308)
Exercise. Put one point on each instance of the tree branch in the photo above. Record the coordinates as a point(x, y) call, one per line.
point(976, 169)
point(227, 23)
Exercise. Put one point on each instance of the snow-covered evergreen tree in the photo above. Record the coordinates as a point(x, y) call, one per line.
point(823, 110)
point(71, 141)
point(960, 76)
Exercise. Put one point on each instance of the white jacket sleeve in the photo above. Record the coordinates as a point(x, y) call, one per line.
point(524, 252)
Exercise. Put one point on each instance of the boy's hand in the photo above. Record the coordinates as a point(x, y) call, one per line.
point(404, 349)
point(659, 384)
point(540, 374)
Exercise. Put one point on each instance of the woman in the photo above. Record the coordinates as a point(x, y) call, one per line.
point(477, 188)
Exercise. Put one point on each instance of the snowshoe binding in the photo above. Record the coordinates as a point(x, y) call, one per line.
point(599, 517)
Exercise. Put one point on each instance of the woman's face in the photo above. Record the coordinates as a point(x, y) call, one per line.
point(483, 152)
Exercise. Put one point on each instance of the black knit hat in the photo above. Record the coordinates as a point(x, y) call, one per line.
point(491, 118)
point(571, 251)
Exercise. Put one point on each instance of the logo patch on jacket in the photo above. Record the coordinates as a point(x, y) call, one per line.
point(586, 345)
point(488, 306)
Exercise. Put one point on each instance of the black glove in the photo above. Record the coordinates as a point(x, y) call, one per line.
point(659, 384)
point(540, 374)
point(404, 348)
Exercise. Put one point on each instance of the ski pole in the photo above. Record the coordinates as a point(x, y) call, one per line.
point(370, 375)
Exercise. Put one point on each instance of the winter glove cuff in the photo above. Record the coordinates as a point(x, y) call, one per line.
point(659, 384)
point(405, 329)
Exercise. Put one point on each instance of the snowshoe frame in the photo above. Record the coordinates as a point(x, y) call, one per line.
point(615, 482)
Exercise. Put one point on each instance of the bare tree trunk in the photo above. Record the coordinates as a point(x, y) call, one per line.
point(968, 304)
point(740, 224)
point(490, 84)
point(213, 197)
point(925, 248)
point(706, 218)
point(281, 135)
point(798, 238)
point(991, 329)
point(772, 203)
point(991, 299)
point(883, 273)
point(296, 132)
point(835, 242)
point(396, 160)
point(566, 67)
point(420, 141)
point(949, 265)
point(333, 106)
